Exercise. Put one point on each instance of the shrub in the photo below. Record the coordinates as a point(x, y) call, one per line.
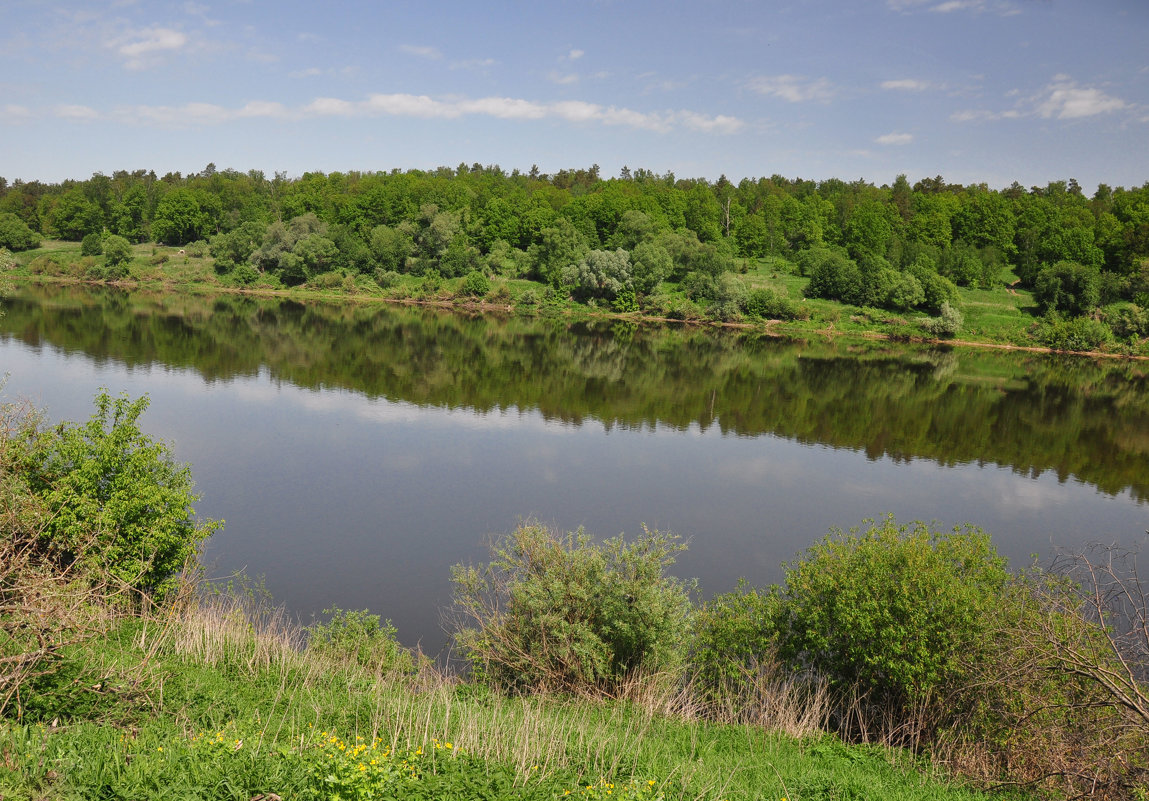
point(898, 613)
point(92, 245)
point(1068, 287)
point(475, 284)
point(1078, 334)
point(771, 305)
point(360, 638)
point(555, 612)
point(15, 233)
point(116, 499)
point(117, 251)
point(729, 298)
point(946, 324)
point(244, 275)
point(197, 249)
point(734, 635)
point(385, 278)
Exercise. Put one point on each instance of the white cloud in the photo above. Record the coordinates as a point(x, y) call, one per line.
point(310, 72)
point(982, 115)
point(906, 85)
point(1004, 8)
point(576, 54)
point(562, 79)
point(895, 139)
point(793, 88)
point(474, 64)
point(416, 106)
point(422, 51)
point(1064, 99)
point(15, 113)
point(957, 5)
point(75, 112)
point(137, 46)
point(720, 124)
point(324, 106)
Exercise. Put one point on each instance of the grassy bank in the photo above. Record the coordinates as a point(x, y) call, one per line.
point(217, 699)
point(1001, 317)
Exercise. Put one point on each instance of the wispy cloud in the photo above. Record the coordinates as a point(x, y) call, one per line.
point(1004, 8)
point(474, 64)
point(422, 51)
point(425, 107)
point(139, 46)
point(75, 112)
point(895, 139)
point(906, 85)
point(563, 79)
point(576, 54)
point(14, 112)
point(793, 88)
point(1064, 99)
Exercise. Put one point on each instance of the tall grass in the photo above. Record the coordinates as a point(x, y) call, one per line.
point(219, 697)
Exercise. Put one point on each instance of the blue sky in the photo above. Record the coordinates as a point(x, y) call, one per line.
point(974, 90)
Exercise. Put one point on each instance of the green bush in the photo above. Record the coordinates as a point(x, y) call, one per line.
point(117, 501)
point(385, 278)
point(92, 245)
point(1077, 334)
point(946, 324)
point(15, 233)
point(117, 251)
point(734, 635)
point(1068, 287)
point(561, 612)
point(770, 305)
point(475, 284)
point(896, 612)
point(360, 638)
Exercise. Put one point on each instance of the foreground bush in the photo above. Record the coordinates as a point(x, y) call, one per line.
point(116, 502)
point(555, 612)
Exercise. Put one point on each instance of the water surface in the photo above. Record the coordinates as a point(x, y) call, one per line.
point(357, 451)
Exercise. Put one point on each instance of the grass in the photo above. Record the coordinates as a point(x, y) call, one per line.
point(219, 700)
point(1003, 316)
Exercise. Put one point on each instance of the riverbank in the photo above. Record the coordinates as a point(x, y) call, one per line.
point(220, 698)
point(1004, 318)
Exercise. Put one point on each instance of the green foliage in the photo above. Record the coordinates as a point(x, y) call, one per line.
point(235, 247)
point(729, 298)
point(896, 612)
point(833, 276)
point(946, 324)
point(735, 635)
point(476, 285)
point(15, 234)
point(360, 638)
point(117, 500)
point(1075, 334)
point(771, 305)
point(180, 217)
point(600, 274)
point(92, 244)
point(117, 251)
point(386, 279)
point(1068, 287)
point(565, 613)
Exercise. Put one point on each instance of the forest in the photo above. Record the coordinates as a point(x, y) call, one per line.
point(621, 242)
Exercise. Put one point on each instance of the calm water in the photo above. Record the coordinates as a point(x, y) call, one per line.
point(357, 452)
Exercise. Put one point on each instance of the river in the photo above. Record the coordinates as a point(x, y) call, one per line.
point(357, 451)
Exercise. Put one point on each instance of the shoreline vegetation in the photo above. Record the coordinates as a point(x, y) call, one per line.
point(893, 661)
point(1043, 267)
point(825, 318)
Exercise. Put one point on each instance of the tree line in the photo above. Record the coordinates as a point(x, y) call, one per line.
point(614, 240)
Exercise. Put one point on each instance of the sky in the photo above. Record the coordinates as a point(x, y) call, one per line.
point(977, 91)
